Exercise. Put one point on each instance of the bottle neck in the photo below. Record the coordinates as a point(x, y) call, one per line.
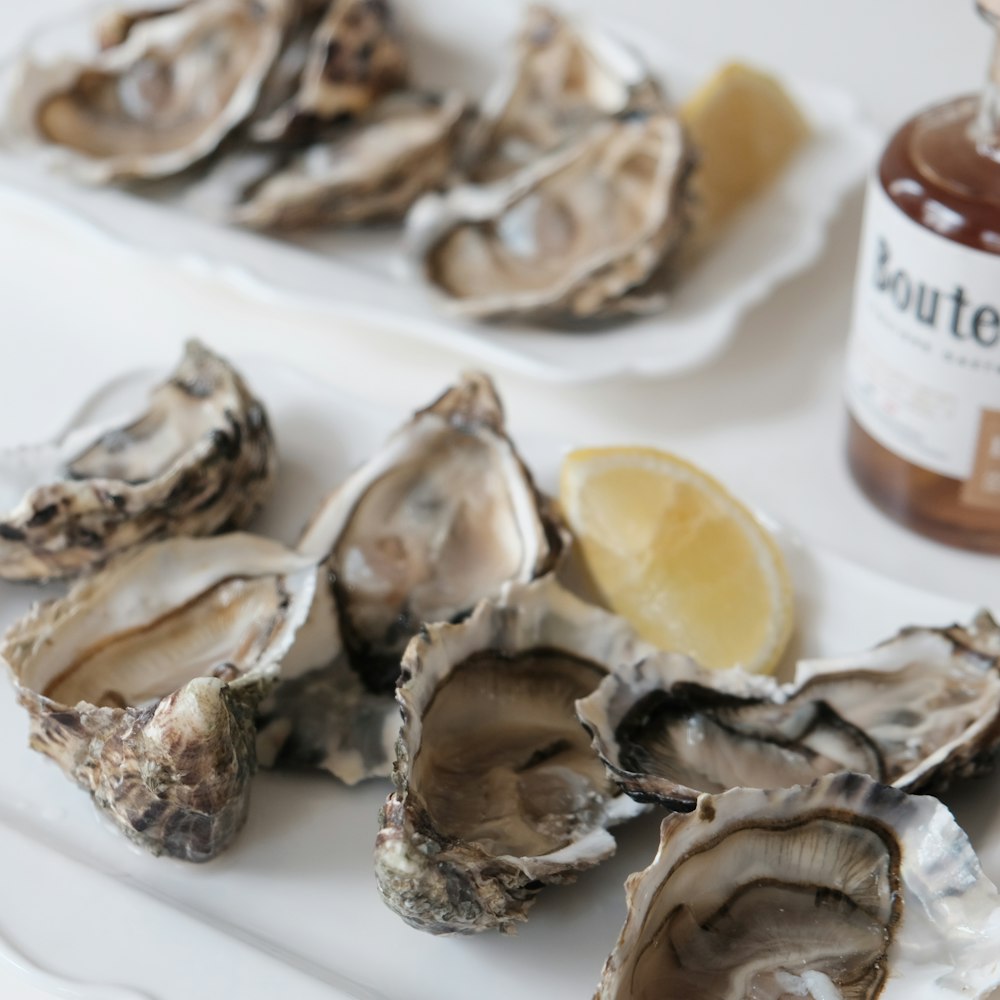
point(986, 128)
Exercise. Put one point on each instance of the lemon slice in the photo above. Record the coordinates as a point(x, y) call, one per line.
point(745, 128)
point(669, 549)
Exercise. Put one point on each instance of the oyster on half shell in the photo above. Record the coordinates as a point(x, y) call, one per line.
point(163, 98)
point(497, 790)
point(565, 77)
point(844, 890)
point(199, 458)
point(373, 169)
point(916, 711)
point(440, 517)
point(585, 232)
point(142, 682)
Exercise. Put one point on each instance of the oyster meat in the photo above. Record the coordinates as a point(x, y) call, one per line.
point(565, 77)
point(497, 791)
point(583, 233)
point(843, 890)
point(354, 57)
point(142, 682)
point(373, 170)
point(442, 516)
point(161, 99)
point(916, 711)
point(201, 457)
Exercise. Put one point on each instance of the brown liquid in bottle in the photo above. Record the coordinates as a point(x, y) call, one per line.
point(935, 172)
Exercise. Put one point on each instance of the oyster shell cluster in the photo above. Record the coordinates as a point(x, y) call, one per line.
point(440, 517)
point(419, 628)
point(159, 681)
point(560, 196)
point(919, 710)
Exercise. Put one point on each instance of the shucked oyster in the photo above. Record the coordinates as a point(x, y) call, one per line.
point(200, 457)
point(584, 232)
point(354, 57)
point(142, 682)
point(915, 712)
point(566, 77)
point(372, 170)
point(162, 99)
point(440, 517)
point(497, 791)
point(845, 890)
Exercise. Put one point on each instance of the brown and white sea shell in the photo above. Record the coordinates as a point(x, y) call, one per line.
point(143, 681)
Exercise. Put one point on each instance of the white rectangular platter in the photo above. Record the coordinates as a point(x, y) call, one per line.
point(292, 910)
point(360, 276)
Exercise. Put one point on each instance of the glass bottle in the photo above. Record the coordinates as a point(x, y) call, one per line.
point(923, 368)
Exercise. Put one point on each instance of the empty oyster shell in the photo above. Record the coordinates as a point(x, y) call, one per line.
point(159, 101)
point(575, 235)
point(845, 889)
point(200, 457)
point(142, 682)
point(374, 170)
point(915, 712)
point(354, 57)
point(442, 516)
point(565, 77)
point(497, 791)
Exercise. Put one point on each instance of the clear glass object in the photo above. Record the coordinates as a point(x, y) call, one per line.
point(942, 170)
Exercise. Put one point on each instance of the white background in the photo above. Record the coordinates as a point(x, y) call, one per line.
point(766, 417)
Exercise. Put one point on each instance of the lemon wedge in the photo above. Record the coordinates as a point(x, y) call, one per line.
point(669, 549)
point(745, 128)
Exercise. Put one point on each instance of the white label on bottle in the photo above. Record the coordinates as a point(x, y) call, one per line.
point(923, 361)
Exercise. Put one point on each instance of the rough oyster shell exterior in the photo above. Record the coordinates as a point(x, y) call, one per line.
point(142, 682)
point(487, 714)
point(353, 57)
point(201, 457)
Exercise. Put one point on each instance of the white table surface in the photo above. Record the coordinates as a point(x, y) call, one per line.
point(766, 417)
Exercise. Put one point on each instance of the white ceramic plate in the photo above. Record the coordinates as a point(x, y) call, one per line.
point(291, 910)
point(360, 275)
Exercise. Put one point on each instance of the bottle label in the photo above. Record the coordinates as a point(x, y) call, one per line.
point(923, 360)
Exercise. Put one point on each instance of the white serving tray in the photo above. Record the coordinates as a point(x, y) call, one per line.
point(360, 275)
point(291, 910)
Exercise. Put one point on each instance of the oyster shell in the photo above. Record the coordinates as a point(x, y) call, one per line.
point(113, 26)
point(497, 791)
point(844, 889)
point(373, 170)
point(565, 77)
point(142, 682)
point(437, 520)
point(163, 98)
point(583, 233)
point(442, 516)
point(917, 711)
point(354, 57)
point(201, 456)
